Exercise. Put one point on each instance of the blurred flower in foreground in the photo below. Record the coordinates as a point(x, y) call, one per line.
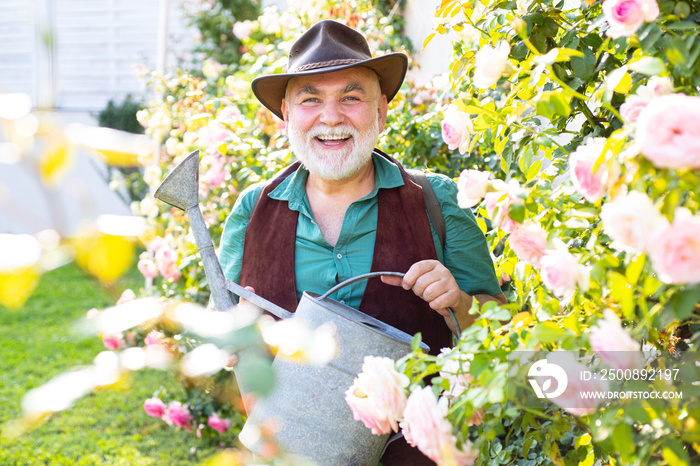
point(377, 398)
point(561, 271)
point(668, 131)
point(572, 399)
point(614, 345)
point(294, 340)
point(630, 219)
point(19, 268)
point(426, 427)
point(674, 249)
point(626, 16)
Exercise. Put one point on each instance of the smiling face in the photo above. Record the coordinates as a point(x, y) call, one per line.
point(334, 120)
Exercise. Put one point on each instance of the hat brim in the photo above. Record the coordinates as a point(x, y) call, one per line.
point(391, 69)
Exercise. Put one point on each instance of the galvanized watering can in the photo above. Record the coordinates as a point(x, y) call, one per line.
point(308, 403)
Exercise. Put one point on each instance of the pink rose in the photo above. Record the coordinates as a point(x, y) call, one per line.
point(572, 400)
point(242, 29)
point(625, 16)
point(229, 115)
point(633, 106)
point(113, 341)
point(614, 345)
point(178, 415)
point(213, 134)
point(498, 202)
point(456, 129)
point(668, 132)
point(154, 407)
point(629, 220)
point(589, 183)
point(154, 337)
point(216, 174)
point(529, 243)
point(471, 187)
point(655, 87)
point(220, 425)
point(674, 249)
point(166, 260)
point(561, 272)
point(377, 397)
point(490, 64)
point(146, 266)
point(426, 427)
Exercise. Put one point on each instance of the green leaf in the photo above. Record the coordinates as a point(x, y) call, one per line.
point(547, 332)
point(650, 66)
point(516, 211)
point(674, 453)
point(480, 363)
point(649, 36)
point(584, 67)
point(534, 170)
point(623, 441)
point(622, 293)
point(634, 270)
point(415, 343)
point(685, 301)
point(682, 26)
point(257, 372)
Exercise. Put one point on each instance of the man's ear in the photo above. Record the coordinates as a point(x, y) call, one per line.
point(284, 110)
point(382, 113)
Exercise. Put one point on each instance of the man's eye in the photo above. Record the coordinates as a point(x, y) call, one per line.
point(310, 100)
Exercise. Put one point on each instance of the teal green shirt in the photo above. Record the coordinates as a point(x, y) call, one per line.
point(320, 266)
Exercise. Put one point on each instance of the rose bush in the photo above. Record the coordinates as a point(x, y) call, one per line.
point(588, 213)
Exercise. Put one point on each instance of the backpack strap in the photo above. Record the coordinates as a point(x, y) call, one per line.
point(431, 203)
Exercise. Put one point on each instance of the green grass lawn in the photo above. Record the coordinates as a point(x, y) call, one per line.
point(105, 428)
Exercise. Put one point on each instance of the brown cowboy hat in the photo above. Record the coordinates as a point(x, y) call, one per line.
point(330, 46)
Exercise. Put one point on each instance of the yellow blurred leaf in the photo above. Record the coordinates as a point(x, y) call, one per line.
point(113, 146)
point(17, 285)
point(119, 159)
point(105, 256)
point(19, 268)
point(55, 160)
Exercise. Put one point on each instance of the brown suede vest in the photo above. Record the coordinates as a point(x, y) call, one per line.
point(403, 238)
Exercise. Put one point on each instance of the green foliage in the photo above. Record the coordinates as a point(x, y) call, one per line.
point(121, 116)
point(215, 20)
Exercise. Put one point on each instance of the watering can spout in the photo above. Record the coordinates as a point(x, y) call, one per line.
point(181, 187)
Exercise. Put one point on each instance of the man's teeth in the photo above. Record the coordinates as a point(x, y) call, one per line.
point(333, 138)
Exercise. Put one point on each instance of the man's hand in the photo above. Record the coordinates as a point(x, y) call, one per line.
point(431, 281)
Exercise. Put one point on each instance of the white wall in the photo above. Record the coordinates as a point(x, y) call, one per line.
point(75, 55)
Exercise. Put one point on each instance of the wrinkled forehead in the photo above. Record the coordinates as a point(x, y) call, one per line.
point(359, 77)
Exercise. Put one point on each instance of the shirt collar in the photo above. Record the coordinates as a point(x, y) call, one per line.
point(293, 188)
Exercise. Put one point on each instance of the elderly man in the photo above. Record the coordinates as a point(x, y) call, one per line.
point(345, 209)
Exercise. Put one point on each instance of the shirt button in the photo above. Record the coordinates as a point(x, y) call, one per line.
point(339, 256)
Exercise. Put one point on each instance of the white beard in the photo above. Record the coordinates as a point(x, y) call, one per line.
point(334, 164)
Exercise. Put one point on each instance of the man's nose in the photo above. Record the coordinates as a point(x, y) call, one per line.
point(331, 114)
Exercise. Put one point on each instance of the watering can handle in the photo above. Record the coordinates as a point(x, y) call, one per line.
point(365, 276)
